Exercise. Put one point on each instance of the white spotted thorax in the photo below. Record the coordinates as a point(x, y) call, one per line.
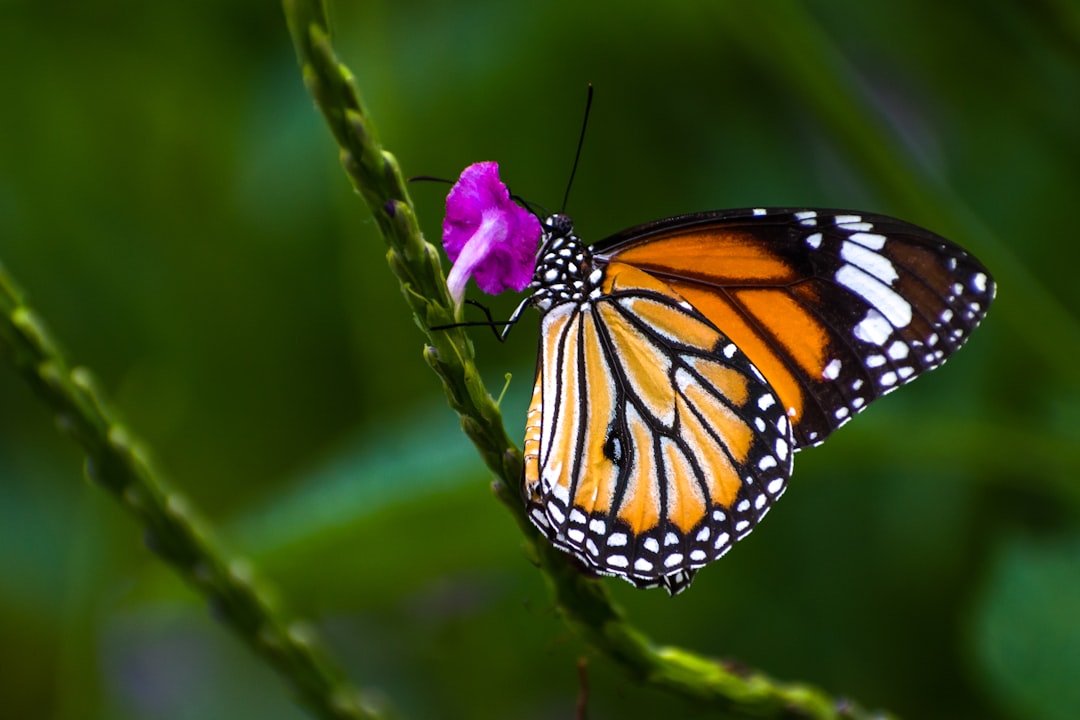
point(564, 271)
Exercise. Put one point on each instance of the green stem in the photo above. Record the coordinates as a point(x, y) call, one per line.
point(119, 463)
point(583, 602)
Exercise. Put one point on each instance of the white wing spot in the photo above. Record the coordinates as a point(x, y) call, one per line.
point(576, 534)
point(759, 501)
point(869, 261)
point(671, 539)
point(673, 559)
point(767, 462)
point(719, 516)
point(775, 486)
point(858, 402)
point(766, 401)
point(905, 372)
point(652, 545)
point(743, 506)
point(832, 370)
point(841, 413)
point(721, 540)
point(616, 539)
point(619, 561)
point(978, 282)
point(814, 240)
point(845, 219)
point(888, 379)
point(876, 293)
point(898, 350)
point(873, 328)
point(598, 526)
point(759, 423)
point(946, 315)
point(758, 211)
point(703, 534)
point(576, 516)
point(729, 350)
point(781, 448)
point(697, 555)
point(643, 565)
point(870, 240)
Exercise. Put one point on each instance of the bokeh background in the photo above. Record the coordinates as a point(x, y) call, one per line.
point(172, 203)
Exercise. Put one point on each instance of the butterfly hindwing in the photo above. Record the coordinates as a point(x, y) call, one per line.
point(652, 442)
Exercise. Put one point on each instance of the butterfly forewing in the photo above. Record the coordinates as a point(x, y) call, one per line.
point(652, 441)
point(836, 308)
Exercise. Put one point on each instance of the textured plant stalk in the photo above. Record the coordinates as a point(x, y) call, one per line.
point(119, 463)
point(583, 602)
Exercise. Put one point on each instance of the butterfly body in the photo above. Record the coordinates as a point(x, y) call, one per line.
point(683, 362)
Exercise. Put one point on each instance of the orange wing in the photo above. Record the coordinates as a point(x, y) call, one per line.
point(835, 308)
point(652, 442)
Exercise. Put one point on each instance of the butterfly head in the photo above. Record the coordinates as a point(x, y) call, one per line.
point(558, 226)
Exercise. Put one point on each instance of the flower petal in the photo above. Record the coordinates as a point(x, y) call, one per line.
point(487, 235)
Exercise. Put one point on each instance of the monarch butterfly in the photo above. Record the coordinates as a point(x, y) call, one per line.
point(683, 362)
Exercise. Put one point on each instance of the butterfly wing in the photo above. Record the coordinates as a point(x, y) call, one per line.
point(835, 308)
point(652, 442)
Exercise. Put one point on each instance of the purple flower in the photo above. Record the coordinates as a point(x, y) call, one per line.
point(487, 235)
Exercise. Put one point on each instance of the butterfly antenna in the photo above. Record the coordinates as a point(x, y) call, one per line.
point(580, 142)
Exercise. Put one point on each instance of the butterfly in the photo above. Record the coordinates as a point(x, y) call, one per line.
point(683, 362)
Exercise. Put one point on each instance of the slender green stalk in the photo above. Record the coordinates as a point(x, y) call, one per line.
point(583, 602)
point(119, 463)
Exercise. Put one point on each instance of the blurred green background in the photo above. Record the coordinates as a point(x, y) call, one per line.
point(172, 204)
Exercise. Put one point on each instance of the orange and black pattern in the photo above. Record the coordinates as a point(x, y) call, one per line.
point(682, 364)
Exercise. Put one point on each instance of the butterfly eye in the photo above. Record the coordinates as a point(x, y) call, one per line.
point(559, 225)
